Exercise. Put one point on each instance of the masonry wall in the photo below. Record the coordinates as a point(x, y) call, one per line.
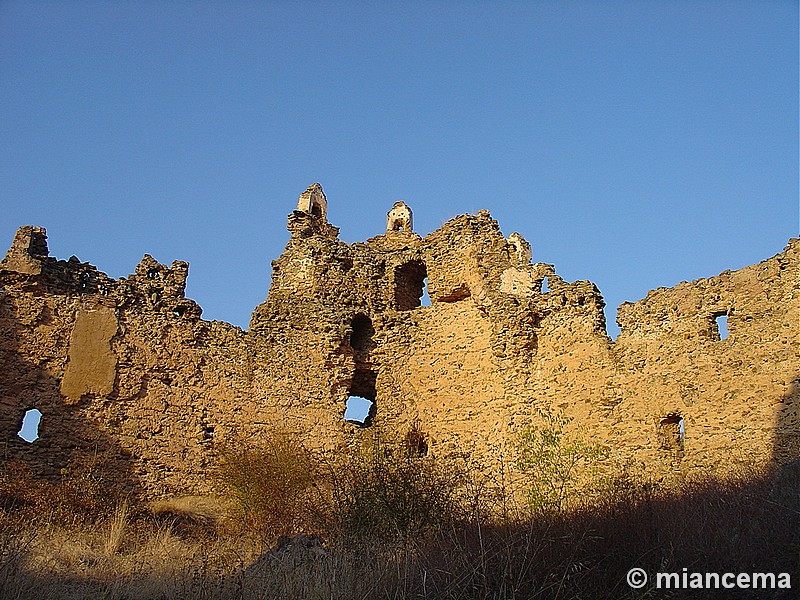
point(128, 373)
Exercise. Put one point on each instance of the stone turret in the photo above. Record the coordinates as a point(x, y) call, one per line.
point(311, 215)
point(314, 202)
point(521, 249)
point(400, 218)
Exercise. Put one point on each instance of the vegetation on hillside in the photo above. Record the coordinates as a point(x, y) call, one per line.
point(386, 520)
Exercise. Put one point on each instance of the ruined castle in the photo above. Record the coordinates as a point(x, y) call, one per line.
point(129, 369)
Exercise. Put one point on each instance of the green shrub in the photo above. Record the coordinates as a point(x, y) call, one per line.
point(390, 489)
point(555, 463)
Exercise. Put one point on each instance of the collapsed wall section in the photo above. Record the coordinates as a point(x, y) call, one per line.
point(733, 395)
point(125, 374)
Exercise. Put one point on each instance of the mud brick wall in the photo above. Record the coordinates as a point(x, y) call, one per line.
point(127, 371)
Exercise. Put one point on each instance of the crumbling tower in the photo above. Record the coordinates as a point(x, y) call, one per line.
point(314, 202)
point(27, 251)
point(400, 218)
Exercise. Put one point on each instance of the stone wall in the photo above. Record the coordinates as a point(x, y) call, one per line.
point(127, 371)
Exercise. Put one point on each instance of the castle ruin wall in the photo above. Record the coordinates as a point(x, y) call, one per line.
point(128, 372)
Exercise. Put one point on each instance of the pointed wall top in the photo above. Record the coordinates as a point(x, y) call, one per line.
point(314, 202)
point(27, 251)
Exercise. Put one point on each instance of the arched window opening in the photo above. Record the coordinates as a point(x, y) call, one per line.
point(409, 284)
point(671, 432)
point(360, 407)
point(29, 428)
point(316, 209)
point(363, 384)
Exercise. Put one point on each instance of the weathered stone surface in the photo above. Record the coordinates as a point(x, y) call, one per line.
point(400, 218)
point(129, 368)
point(30, 244)
point(91, 365)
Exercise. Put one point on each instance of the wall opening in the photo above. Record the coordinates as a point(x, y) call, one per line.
point(545, 288)
point(153, 274)
point(344, 263)
point(426, 299)
point(361, 333)
point(409, 284)
point(359, 411)
point(720, 326)
point(360, 407)
point(29, 428)
point(363, 384)
point(316, 209)
point(671, 431)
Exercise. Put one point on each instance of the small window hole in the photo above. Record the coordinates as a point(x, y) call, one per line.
point(359, 411)
point(721, 322)
point(409, 281)
point(29, 428)
point(361, 334)
point(153, 274)
point(545, 288)
point(672, 432)
point(426, 299)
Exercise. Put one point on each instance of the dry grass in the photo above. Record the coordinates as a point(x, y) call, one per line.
point(116, 529)
point(194, 548)
point(279, 486)
point(195, 516)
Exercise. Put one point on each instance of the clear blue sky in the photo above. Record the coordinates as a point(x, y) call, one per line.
point(634, 144)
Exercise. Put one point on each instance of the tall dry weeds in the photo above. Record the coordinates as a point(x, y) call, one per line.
point(277, 485)
point(116, 529)
point(402, 533)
